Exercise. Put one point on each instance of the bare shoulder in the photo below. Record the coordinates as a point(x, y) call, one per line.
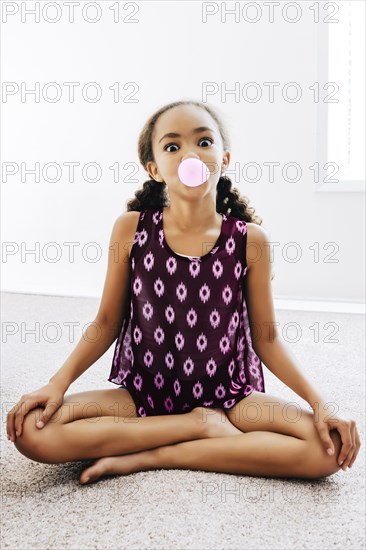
point(125, 228)
point(132, 218)
point(257, 238)
point(256, 230)
point(115, 293)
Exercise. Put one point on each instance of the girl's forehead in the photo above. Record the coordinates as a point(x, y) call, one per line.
point(182, 119)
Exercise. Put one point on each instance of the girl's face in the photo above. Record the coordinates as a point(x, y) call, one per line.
point(169, 151)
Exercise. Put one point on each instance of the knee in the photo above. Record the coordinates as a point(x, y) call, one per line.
point(321, 464)
point(31, 442)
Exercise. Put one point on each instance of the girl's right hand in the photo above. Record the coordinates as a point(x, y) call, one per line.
point(50, 396)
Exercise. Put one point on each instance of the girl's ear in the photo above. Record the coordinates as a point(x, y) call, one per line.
point(152, 169)
point(225, 162)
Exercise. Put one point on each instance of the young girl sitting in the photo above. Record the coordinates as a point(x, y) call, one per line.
point(188, 298)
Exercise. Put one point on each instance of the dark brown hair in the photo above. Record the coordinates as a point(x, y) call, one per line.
point(153, 194)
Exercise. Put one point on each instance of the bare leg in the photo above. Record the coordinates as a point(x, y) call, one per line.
point(254, 453)
point(108, 436)
point(261, 453)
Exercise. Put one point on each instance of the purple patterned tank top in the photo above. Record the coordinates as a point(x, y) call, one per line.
point(185, 340)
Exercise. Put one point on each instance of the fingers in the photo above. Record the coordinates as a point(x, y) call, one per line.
point(325, 437)
point(350, 440)
point(351, 443)
point(16, 416)
point(358, 445)
point(51, 408)
point(351, 456)
point(345, 432)
point(19, 417)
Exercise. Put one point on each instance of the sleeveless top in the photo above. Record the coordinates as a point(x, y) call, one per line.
point(185, 340)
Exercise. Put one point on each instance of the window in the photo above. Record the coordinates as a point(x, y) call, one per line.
point(341, 107)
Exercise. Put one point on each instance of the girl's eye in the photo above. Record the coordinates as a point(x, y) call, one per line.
point(207, 139)
point(175, 145)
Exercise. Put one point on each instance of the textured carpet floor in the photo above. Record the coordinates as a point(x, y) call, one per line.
point(44, 506)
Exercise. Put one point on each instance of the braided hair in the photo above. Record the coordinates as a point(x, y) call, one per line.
point(153, 194)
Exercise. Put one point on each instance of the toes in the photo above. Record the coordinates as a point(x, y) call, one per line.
point(103, 466)
point(87, 476)
point(91, 474)
point(84, 480)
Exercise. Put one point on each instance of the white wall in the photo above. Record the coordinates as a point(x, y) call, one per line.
point(169, 53)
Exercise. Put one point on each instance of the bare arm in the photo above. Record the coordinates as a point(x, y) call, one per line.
point(112, 309)
point(267, 343)
point(88, 350)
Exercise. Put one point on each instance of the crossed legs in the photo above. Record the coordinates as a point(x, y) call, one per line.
point(101, 423)
point(278, 440)
point(260, 436)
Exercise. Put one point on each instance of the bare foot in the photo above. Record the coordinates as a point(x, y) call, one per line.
point(215, 422)
point(117, 465)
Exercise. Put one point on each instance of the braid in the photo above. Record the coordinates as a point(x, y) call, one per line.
point(231, 203)
point(150, 197)
point(228, 200)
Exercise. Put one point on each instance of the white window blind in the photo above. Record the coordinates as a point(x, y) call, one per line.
point(344, 62)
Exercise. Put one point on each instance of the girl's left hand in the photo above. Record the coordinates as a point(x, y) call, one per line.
point(349, 434)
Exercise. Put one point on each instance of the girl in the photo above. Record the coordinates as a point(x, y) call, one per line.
point(191, 307)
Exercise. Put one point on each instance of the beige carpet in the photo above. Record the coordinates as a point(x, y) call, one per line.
point(44, 506)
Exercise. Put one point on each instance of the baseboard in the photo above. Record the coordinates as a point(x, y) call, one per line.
point(319, 305)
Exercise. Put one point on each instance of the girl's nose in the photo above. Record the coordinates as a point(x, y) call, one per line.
point(190, 156)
